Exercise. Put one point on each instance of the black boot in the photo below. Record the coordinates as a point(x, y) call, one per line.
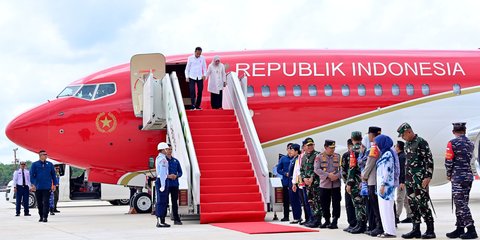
point(349, 228)
point(325, 224)
point(455, 234)
point(360, 228)
point(470, 234)
point(415, 233)
point(430, 233)
point(333, 225)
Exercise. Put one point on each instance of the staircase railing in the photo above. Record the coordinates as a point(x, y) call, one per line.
point(235, 99)
point(194, 178)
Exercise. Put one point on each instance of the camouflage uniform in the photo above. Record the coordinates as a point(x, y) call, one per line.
point(313, 195)
point(457, 163)
point(354, 180)
point(418, 167)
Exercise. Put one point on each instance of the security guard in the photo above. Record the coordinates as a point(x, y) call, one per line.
point(327, 167)
point(354, 182)
point(458, 157)
point(418, 173)
point(161, 186)
point(349, 207)
point(312, 182)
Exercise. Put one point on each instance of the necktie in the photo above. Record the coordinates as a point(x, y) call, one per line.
point(23, 178)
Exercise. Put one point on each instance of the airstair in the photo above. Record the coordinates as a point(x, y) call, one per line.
point(219, 149)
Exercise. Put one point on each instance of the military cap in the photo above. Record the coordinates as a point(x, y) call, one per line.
point(459, 126)
point(295, 147)
point(308, 141)
point(375, 130)
point(357, 135)
point(329, 143)
point(405, 126)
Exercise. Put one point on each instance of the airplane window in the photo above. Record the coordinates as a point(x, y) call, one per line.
point(250, 92)
point(328, 90)
point(297, 90)
point(281, 91)
point(425, 89)
point(457, 90)
point(345, 90)
point(378, 90)
point(68, 91)
point(105, 90)
point(312, 90)
point(410, 89)
point(362, 91)
point(395, 90)
point(265, 91)
point(86, 92)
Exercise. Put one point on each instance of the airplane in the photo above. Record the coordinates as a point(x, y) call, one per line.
point(291, 95)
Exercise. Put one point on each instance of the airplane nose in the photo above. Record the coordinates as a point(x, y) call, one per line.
point(30, 129)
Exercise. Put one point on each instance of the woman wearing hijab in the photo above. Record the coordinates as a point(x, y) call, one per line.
point(217, 79)
point(386, 185)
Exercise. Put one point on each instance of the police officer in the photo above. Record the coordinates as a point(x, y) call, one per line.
point(174, 172)
point(161, 186)
point(354, 182)
point(42, 175)
point(21, 186)
point(458, 157)
point(418, 173)
point(327, 167)
point(312, 182)
point(349, 208)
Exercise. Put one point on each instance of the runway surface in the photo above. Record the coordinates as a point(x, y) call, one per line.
point(100, 220)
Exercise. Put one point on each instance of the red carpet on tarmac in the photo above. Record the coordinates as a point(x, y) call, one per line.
point(261, 227)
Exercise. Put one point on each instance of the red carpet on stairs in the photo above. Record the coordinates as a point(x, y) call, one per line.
point(262, 227)
point(228, 188)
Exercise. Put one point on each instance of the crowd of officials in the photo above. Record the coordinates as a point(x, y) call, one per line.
point(373, 170)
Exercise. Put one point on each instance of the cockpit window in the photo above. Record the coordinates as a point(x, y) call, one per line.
point(105, 90)
point(68, 91)
point(86, 92)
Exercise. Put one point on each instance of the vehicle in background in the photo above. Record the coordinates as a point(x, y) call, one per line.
point(73, 186)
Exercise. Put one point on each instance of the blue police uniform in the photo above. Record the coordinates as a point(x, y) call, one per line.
point(282, 169)
point(174, 167)
point(21, 182)
point(294, 197)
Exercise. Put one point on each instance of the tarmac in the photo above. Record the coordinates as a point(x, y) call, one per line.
point(100, 220)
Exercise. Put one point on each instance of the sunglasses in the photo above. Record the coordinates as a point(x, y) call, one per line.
point(22, 163)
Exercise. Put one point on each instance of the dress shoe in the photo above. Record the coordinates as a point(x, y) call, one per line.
point(296, 221)
point(406, 220)
point(177, 223)
point(55, 211)
point(163, 225)
point(376, 232)
point(386, 235)
point(45, 220)
point(284, 220)
point(325, 224)
point(18, 214)
point(40, 220)
point(52, 213)
point(27, 214)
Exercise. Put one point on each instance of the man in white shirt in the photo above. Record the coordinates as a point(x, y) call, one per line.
point(21, 186)
point(195, 74)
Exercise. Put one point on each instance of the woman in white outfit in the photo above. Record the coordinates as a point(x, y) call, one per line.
point(386, 185)
point(217, 79)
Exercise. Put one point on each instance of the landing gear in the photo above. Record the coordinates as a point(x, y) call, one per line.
point(142, 202)
point(32, 201)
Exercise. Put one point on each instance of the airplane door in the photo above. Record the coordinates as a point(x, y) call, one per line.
point(140, 67)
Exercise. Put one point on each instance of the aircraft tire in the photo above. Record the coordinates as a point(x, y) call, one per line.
point(32, 200)
point(142, 202)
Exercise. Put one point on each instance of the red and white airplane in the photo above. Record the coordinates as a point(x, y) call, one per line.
point(292, 94)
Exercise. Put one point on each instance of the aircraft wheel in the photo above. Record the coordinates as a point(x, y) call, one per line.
point(32, 200)
point(142, 202)
point(123, 201)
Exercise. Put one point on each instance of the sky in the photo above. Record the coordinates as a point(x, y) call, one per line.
point(47, 44)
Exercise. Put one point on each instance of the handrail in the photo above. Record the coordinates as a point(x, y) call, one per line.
point(194, 184)
point(237, 100)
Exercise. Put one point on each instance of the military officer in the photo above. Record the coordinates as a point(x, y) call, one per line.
point(327, 167)
point(349, 207)
point(418, 173)
point(354, 182)
point(312, 182)
point(458, 157)
point(161, 185)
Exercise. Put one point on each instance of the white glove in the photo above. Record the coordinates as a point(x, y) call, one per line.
point(162, 189)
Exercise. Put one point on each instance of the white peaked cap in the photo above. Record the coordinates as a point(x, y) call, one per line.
point(162, 145)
